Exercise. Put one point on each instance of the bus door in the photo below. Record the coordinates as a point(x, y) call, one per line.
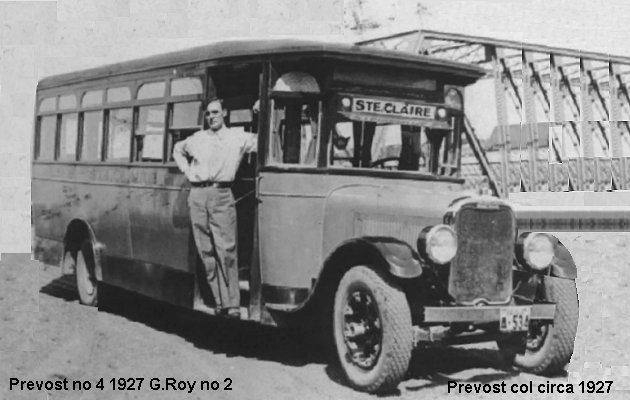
point(242, 116)
point(291, 194)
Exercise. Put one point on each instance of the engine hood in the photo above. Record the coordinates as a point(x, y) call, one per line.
point(389, 209)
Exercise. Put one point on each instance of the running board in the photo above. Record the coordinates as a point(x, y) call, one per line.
point(243, 286)
point(199, 306)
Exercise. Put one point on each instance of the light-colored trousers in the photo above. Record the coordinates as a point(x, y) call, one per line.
point(213, 217)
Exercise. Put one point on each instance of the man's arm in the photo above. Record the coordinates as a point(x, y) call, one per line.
point(180, 154)
point(251, 143)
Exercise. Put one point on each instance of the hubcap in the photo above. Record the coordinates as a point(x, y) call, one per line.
point(362, 329)
point(536, 336)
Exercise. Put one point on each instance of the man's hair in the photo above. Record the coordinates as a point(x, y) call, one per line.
point(212, 100)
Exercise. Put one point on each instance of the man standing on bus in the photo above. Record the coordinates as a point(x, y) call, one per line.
point(209, 159)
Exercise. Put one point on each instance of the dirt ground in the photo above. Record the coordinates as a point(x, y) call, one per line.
point(45, 334)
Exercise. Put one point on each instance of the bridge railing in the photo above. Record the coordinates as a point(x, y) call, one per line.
point(582, 97)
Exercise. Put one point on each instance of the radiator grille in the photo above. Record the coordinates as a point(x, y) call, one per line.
point(482, 268)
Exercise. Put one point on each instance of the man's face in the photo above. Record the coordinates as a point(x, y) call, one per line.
point(215, 114)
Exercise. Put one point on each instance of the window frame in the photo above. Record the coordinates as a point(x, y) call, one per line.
point(101, 154)
point(140, 84)
point(59, 134)
point(136, 121)
point(437, 171)
point(169, 143)
point(304, 98)
point(170, 101)
point(49, 111)
point(133, 83)
point(84, 93)
point(38, 138)
point(107, 133)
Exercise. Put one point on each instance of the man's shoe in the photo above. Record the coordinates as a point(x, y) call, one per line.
point(233, 313)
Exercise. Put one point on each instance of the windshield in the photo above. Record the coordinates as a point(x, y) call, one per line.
point(394, 146)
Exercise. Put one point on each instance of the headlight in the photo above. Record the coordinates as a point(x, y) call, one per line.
point(441, 113)
point(346, 104)
point(535, 250)
point(437, 244)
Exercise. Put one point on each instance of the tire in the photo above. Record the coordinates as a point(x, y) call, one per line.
point(87, 285)
point(549, 348)
point(384, 333)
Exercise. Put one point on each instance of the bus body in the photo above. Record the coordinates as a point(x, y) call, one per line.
point(353, 196)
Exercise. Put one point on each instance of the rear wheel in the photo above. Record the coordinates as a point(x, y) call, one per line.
point(372, 330)
point(548, 347)
point(87, 285)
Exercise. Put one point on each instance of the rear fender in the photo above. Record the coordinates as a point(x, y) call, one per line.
point(77, 232)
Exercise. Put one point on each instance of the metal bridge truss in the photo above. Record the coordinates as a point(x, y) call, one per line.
point(582, 97)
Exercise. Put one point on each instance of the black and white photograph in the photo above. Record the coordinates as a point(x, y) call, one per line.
point(336, 199)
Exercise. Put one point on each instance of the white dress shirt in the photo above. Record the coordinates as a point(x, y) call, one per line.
point(215, 156)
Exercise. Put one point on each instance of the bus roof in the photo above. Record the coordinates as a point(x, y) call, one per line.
point(247, 49)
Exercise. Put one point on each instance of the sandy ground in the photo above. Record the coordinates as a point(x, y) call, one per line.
point(45, 334)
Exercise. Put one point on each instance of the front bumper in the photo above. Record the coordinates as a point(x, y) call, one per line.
point(434, 329)
point(484, 314)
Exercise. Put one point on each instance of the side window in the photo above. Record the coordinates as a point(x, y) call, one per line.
point(294, 131)
point(186, 115)
point(295, 119)
point(119, 134)
point(46, 140)
point(116, 95)
point(68, 137)
point(241, 119)
point(150, 133)
point(92, 136)
point(67, 101)
point(185, 120)
point(92, 98)
point(48, 104)
point(186, 86)
point(151, 90)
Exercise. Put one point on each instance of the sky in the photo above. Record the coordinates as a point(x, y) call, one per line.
point(592, 25)
point(38, 39)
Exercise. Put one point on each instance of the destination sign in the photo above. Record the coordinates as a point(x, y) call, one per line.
point(395, 108)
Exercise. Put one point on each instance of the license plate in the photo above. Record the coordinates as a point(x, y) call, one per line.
point(514, 319)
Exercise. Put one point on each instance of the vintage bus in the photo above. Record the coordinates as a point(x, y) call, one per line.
point(351, 214)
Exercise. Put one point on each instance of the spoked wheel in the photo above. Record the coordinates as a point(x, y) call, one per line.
point(362, 329)
point(536, 336)
point(372, 330)
point(87, 285)
point(548, 346)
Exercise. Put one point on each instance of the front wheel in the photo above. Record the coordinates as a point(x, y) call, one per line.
point(548, 347)
point(372, 330)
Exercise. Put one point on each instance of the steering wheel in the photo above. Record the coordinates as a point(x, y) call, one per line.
point(381, 162)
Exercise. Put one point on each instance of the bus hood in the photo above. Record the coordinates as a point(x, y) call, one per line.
point(398, 211)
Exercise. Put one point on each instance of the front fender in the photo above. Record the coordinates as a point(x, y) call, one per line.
point(563, 265)
point(402, 260)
